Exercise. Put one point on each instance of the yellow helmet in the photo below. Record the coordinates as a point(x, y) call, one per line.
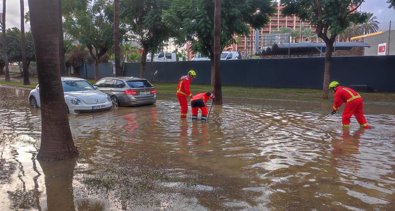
point(333, 84)
point(192, 73)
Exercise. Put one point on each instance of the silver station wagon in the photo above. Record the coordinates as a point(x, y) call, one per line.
point(128, 91)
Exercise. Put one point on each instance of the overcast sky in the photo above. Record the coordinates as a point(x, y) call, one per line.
point(378, 7)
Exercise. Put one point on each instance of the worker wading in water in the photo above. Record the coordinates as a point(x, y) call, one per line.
point(353, 101)
point(199, 101)
point(183, 92)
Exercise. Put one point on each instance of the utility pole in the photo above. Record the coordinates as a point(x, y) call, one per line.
point(389, 40)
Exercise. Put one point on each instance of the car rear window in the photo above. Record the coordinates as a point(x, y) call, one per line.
point(139, 84)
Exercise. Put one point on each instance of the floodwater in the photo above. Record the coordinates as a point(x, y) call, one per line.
point(251, 155)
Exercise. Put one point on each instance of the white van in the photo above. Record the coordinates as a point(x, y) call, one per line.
point(230, 55)
point(163, 57)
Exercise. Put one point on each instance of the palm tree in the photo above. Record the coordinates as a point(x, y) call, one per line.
point(117, 48)
point(23, 45)
point(46, 25)
point(371, 25)
point(6, 72)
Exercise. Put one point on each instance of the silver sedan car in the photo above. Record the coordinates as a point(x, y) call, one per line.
point(128, 91)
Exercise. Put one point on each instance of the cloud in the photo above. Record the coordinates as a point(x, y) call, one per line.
point(13, 14)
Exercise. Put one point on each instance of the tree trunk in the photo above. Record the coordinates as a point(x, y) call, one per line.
point(215, 70)
point(117, 49)
point(327, 69)
point(6, 70)
point(2, 68)
point(23, 46)
point(143, 62)
point(96, 70)
point(46, 26)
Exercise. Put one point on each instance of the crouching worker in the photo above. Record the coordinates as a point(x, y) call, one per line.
point(199, 101)
point(353, 101)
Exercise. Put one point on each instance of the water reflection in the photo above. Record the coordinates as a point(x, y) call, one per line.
point(251, 155)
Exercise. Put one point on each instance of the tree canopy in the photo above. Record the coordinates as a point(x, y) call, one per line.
point(330, 18)
point(194, 21)
point(392, 3)
point(13, 39)
point(146, 26)
point(91, 25)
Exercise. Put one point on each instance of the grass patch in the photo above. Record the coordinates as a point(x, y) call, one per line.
point(17, 83)
point(268, 93)
point(169, 89)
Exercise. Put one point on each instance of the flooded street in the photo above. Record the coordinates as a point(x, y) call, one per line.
point(250, 155)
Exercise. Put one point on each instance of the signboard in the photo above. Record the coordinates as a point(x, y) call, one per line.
point(382, 49)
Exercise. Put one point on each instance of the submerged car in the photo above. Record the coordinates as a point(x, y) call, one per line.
point(79, 94)
point(128, 91)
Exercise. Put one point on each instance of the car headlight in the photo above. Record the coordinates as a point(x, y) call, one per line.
point(75, 101)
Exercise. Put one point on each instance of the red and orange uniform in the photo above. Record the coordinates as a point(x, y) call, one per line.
point(199, 101)
point(354, 106)
point(183, 92)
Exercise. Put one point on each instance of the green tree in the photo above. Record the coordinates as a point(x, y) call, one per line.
point(392, 3)
point(195, 21)
point(330, 18)
point(91, 25)
point(14, 49)
point(369, 26)
point(144, 17)
point(46, 26)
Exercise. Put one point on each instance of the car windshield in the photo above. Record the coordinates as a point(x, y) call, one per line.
point(80, 85)
point(224, 55)
point(139, 84)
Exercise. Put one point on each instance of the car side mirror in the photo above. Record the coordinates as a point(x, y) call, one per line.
point(94, 86)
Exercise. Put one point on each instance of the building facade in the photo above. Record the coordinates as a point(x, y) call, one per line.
point(264, 37)
point(381, 44)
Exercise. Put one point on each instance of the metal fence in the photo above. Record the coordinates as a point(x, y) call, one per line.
point(367, 73)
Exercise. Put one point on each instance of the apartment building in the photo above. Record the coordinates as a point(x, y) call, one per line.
point(264, 37)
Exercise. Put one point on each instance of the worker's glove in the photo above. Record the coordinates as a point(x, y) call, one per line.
point(333, 112)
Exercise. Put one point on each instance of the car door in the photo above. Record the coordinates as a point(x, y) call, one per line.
point(119, 88)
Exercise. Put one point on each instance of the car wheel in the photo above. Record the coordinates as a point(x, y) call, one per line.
point(33, 102)
point(115, 101)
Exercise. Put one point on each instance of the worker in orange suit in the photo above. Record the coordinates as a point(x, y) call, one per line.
point(353, 101)
point(199, 101)
point(183, 91)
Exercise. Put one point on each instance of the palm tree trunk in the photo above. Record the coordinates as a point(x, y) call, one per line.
point(46, 25)
point(6, 70)
point(117, 49)
point(215, 70)
point(23, 46)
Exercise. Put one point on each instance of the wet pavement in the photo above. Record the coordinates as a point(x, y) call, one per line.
point(251, 155)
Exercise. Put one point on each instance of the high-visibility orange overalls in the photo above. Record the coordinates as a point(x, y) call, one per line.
point(354, 106)
point(183, 91)
point(199, 101)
